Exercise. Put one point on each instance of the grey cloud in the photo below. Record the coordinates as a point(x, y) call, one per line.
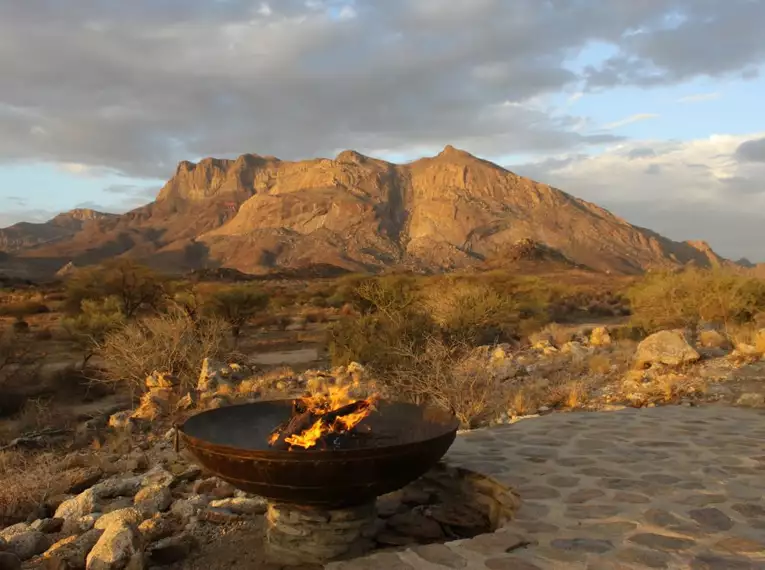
point(641, 152)
point(136, 86)
point(713, 39)
point(653, 169)
point(751, 151)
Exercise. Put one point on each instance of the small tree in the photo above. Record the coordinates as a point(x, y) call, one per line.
point(135, 286)
point(90, 327)
point(237, 305)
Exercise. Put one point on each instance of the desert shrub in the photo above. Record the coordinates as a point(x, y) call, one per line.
point(431, 373)
point(391, 295)
point(473, 313)
point(377, 340)
point(28, 480)
point(170, 342)
point(89, 328)
point(683, 298)
point(136, 287)
point(237, 305)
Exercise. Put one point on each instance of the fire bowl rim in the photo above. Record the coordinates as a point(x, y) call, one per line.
point(302, 455)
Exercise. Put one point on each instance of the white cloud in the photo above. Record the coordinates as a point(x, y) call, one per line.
point(629, 120)
point(695, 189)
point(699, 98)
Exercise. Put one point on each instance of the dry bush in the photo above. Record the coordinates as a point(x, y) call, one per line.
point(28, 480)
point(170, 343)
point(560, 334)
point(684, 298)
point(523, 402)
point(474, 313)
point(743, 333)
point(433, 374)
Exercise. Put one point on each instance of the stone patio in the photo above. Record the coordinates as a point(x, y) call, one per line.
point(668, 487)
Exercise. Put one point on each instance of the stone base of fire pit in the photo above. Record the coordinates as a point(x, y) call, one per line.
point(306, 535)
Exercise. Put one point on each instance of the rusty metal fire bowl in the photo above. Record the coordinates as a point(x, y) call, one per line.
point(402, 442)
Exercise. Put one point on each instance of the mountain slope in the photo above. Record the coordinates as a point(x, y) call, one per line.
point(259, 214)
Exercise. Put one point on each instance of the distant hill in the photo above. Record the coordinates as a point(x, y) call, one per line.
point(259, 214)
point(25, 235)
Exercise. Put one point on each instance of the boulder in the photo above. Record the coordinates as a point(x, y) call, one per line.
point(28, 544)
point(600, 337)
point(666, 347)
point(71, 552)
point(9, 561)
point(83, 479)
point(170, 550)
point(184, 509)
point(12, 530)
point(121, 420)
point(241, 505)
point(712, 338)
point(157, 528)
point(88, 501)
point(160, 380)
point(80, 524)
point(157, 475)
point(47, 526)
point(153, 499)
point(574, 348)
point(83, 504)
point(122, 517)
point(117, 547)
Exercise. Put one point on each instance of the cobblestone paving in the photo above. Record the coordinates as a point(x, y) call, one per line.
point(670, 487)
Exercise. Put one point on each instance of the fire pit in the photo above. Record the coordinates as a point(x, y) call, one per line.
point(321, 462)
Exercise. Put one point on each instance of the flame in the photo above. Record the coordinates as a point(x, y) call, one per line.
point(329, 400)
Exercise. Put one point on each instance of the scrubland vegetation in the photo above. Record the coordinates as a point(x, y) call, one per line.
point(443, 338)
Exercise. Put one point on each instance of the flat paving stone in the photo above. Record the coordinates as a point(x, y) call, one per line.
point(670, 487)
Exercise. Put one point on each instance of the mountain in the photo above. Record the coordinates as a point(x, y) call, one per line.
point(259, 214)
point(25, 235)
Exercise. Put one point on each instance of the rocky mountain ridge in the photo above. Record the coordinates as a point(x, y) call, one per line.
point(259, 214)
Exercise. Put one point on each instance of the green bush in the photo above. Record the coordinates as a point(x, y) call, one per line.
point(89, 328)
point(136, 287)
point(237, 305)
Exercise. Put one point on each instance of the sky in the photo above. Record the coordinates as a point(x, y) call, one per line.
point(650, 108)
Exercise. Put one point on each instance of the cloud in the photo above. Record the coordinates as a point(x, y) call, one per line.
point(699, 98)
point(136, 86)
point(700, 185)
point(629, 120)
point(751, 151)
point(707, 38)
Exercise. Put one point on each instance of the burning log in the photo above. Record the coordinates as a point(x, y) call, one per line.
point(311, 427)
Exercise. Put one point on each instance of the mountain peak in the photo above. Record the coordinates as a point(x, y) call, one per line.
point(351, 156)
point(453, 152)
